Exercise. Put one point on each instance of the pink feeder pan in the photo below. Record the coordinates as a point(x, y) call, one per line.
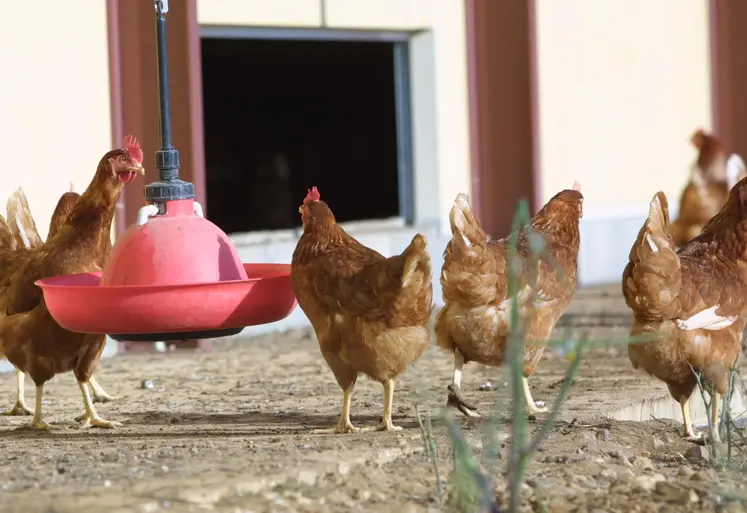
point(174, 276)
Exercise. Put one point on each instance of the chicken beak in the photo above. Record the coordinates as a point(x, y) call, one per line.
point(137, 169)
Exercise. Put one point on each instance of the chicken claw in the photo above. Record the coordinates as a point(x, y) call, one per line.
point(343, 425)
point(91, 418)
point(386, 418)
point(99, 394)
point(20, 407)
point(339, 429)
point(531, 405)
point(97, 421)
point(455, 400)
point(37, 424)
point(388, 426)
point(690, 434)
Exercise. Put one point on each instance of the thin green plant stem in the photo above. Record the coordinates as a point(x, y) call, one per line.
point(515, 357)
point(431, 450)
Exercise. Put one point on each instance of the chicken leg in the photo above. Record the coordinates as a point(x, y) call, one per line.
point(37, 423)
point(344, 425)
point(99, 394)
point(690, 434)
point(20, 407)
point(386, 419)
point(715, 401)
point(91, 418)
point(531, 405)
point(455, 392)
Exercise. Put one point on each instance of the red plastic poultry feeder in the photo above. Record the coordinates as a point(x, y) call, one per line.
point(173, 275)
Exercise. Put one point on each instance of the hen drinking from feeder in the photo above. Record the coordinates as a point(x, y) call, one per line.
point(29, 337)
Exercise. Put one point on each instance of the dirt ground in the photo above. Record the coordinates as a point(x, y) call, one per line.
point(229, 431)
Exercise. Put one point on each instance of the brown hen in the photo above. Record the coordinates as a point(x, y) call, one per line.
point(475, 321)
point(712, 176)
point(26, 237)
point(370, 313)
point(694, 300)
point(29, 337)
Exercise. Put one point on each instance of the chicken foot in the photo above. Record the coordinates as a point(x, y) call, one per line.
point(531, 405)
point(99, 394)
point(455, 396)
point(690, 435)
point(20, 407)
point(344, 425)
point(37, 423)
point(91, 418)
point(386, 419)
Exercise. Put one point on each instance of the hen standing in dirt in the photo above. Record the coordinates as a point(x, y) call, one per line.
point(32, 341)
point(475, 321)
point(370, 313)
point(23, 228)
point(693, 300)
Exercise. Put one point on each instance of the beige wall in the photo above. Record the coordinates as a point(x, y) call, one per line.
point(438, 69)
point(54, 99)
point(622, 85)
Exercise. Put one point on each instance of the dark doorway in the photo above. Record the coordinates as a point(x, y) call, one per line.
point(284, 115)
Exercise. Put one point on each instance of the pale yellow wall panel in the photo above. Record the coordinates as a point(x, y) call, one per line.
point(55, 121)
point(276, 13)
point(622, 85)
point(384, 14)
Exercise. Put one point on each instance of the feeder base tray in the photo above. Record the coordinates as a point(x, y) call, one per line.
point(170, 337)
point(153, 313)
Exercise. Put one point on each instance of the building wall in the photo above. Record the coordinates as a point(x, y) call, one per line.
point(622, 86)
point(55, 121)
point(438, 76)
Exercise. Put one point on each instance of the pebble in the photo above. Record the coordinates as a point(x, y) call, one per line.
point(648, 482)
point(657, 443)
point(147, 384)
point(697, 454)
point(642, 463)
point(678, 494)
point(706, 476)
point(609, 475)
point(604, 434)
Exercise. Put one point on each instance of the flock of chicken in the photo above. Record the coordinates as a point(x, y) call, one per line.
point(371, 314)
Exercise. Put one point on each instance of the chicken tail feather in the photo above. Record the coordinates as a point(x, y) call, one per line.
point(466, 232)
point(417, 260)
point(21, 222)
point(6, 235)
point(652, 279)
point(735, 170)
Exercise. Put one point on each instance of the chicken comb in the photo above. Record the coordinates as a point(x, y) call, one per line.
point(133, 148)
point(312, 195)
point(576, 186)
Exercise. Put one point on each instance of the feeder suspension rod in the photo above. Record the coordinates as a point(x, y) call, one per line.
point(162, 7)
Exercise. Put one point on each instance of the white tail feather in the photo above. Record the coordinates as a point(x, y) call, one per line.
point(734, 167)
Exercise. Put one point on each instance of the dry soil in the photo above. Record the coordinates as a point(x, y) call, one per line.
point(230, 431)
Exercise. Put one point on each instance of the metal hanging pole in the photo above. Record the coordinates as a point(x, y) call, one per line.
point(168, 187)
point(162, 7)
